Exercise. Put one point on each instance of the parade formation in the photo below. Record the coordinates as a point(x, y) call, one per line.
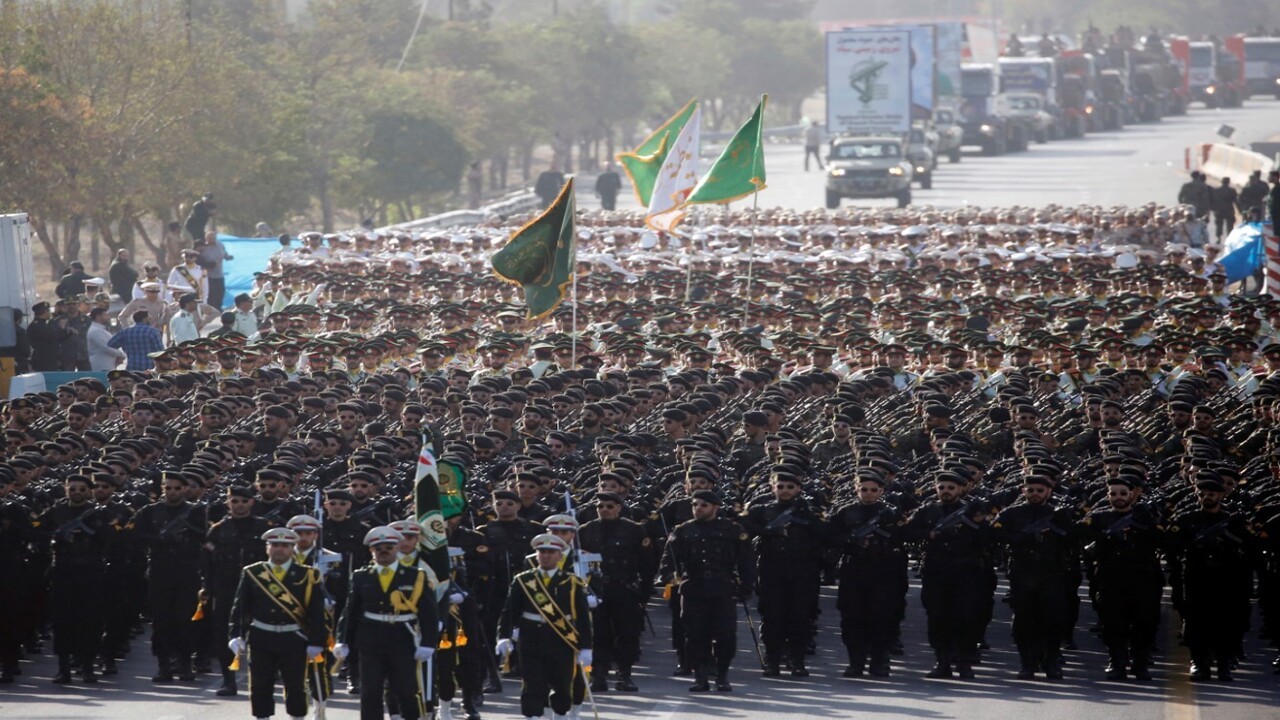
point(722, 421)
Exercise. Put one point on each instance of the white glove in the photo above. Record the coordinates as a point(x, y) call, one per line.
point(593, 602)
point(314, 651)
point(236, 646)
point(504, 647)
point(584, 658)
point(329, 605)
point(515, 633)
point(423, 654)
point(456, 598)
point(341, 651)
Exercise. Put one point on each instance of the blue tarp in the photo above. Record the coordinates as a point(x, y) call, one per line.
point(1242, 252)
point(251, 255)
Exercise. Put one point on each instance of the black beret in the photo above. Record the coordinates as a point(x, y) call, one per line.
point(506, 495)
point(708, 496)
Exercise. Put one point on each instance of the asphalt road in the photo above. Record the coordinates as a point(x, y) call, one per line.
point(995, 693)
point(1133, 166)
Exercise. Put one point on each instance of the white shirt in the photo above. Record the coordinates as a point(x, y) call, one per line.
point(246, 323)
point(179, 284)
point(182, 328)
point(101, 355)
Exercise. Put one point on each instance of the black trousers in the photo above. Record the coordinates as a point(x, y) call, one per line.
point(1129, 612)
point(1040, 614)
point(171, 600)
point(549, 669)
point(388, 663)
point(869, 604)
point(273, 655)
point(956, 608)
point(617, 624)
point(217, 289)
point(77, 615)
point(787, 607)
point(817, 157)
point(710, 625)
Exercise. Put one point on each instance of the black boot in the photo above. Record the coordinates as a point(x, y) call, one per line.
point(700, 683)
point(879, 666)
point(109, 665)
point(682, 668)
point(624, 681)
point(64, 670)
point(941, 670)
point(772, 666)
point(1053, 668)
point(964, 669)
point(469, 709)
point(185, 671)
point(1200, 669)
point(797, 667)
point(600, 681)
point(1141, 671)
point(1116, 668)
point(228, 687)
point(855, 668)
point(165, 672)
point(87, 672)
point(722, 682)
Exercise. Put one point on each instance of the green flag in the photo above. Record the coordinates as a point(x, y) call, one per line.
point(643, 163)
point(433, 543)
point(739, 171)
point(539, 256)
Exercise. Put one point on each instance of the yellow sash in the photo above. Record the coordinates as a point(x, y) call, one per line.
point(539, 595)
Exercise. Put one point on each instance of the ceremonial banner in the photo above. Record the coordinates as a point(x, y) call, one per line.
point(539, 257)
point(643, 163)
point(426, 508)
point(739, 171)
point(678, 177)
point(869, 82)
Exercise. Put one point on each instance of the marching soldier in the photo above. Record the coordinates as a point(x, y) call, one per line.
point(332, 580)
point(789, 539)
point(1038, 535)
point(868, 534)
point(709, 558)
point(233, 543)
point(391, 619)
point(1214, 547)
point(546, 613)
point(627, 567)
point(953, 535)
point(278, 618)
point(1123, 540)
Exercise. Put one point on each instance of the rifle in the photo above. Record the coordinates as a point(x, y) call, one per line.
point(1217, 529)
point(959, 516)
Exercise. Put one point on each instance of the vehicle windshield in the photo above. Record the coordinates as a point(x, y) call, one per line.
point(944, 117)
point(1201, 56)
point(917, 137)
point(976, 83)
point(1265, 51)
point(866, 150)
point(1024, 103)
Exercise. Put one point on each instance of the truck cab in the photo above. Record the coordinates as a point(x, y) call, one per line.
point(980, 116)
point(1261, 64)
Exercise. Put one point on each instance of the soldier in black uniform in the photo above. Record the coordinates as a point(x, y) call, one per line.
point(464, 645)
point(279, 608)
point(233, 543)
point(15, 533)
point(868, 533)
point(953, 567)
point(788, 543)
point(627, 568)
point(1124, 577)
point(78, 530)
point(508, 538)
point(1039, 537)
point(391, 618)
point(173, 531)
point(548, 607)
point(120, 559)
point(1214, 547)
point(709, 558)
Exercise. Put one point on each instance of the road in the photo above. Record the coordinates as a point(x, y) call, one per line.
point(994, 694)
point(1133, 166)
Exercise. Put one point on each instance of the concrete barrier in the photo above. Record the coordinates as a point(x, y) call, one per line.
point(1229, 161)
point(32, 383)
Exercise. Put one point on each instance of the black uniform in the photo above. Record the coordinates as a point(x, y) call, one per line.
point(873, 582)
point(549, 642)
point(627, 567)
point(788, 543)
point(281, 614)
point(233, 544)
point(1126, 582)
point(174, 535)
point(508, 543)
point(1216, 579)
point(711, 563)
point(954, 569)
point(79, 540)
point(1040, 542)
point(386, 627)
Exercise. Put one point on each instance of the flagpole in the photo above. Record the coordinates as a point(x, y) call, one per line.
point(751, 257)
point(573, 342)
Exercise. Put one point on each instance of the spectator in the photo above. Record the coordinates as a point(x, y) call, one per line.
point(122, 275)
point(188, 276)
point(138, 342)
point(72, 281)
point(1224, 208)
point(21, 346)
point(212, 254)
point(182, 326)
point(101, 355)
point(228, 320)
point(45, 336)
point(201, 212)
point(75, 346)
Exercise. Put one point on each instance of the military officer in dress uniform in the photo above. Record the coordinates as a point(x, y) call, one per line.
point(391, 619)
point(547, 614)
point(233, 543)
point(278, 616)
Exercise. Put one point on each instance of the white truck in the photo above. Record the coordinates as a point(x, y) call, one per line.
point(17, 288)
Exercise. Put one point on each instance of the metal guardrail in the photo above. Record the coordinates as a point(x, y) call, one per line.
point(513, 204)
